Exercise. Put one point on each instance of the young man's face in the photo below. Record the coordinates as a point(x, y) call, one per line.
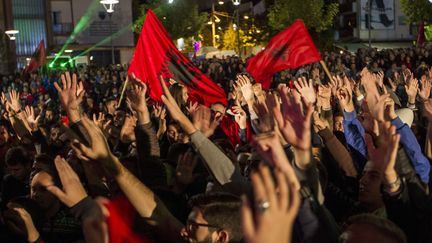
point(19, 171)
point(198, 230)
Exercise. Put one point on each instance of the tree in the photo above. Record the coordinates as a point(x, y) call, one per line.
point(181, 19)
point(417, 11)
point(230, 38)
point(316, 14)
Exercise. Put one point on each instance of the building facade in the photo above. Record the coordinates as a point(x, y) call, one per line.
point(82, 26)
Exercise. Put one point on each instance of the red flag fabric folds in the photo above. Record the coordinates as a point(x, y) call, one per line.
point(291, 48)
point(38, 59)
point(156, 55)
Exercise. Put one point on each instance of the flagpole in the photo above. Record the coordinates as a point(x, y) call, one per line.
point(323, 64)
point(123, 91)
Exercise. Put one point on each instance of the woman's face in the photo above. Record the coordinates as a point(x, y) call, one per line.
point(185, 95)
point(172, 133)
point(39, 192)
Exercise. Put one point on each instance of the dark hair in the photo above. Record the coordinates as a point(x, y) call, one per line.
point(16, 156)
point(384, 226)
point(45, 163)
point(176, 91)
point(219, 103)
point(221, 209)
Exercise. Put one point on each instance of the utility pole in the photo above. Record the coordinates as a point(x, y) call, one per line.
point(369, 3)
point(213, 20)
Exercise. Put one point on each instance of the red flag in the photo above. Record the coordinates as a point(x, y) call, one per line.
point(156, 54)
point(291, 48)
point(38, 59)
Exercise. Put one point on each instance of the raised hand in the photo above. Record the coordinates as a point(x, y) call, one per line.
point(127, 132)
point(293, 121)
point(98, 150)
point(159, 111)
point(136, 97)
point(411, 89)
point(275, 208)
point(240, 116)
point(384, 155)
point(265, 122)
point(69, 97)
point(30, 117)
point(14, 101)
point(377, 110)
point(424, 91)
point(245, 85)
point(345, 99)
point(193, 107)
point(185, 167)
point(99, 120)
point(318, 123)
point(427, 111)
point(323, 97)
point(73, 191)
point(306, 90)
point(203, 121)
point(31, 231)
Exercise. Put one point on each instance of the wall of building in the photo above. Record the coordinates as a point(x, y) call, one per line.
point(399, 31)
point(99, 25)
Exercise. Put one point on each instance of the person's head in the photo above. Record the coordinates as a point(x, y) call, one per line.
point(372, 229)
point(173, 132)
point(370, 185)
point(55, 133)
point(179, 93)
point(215, 217)
point(4, 135)
point(218, 108)
point(119, 117)
point(49, 115)
point(18, 163)
point(44, 174)
point(338, 123)
point(110, 106)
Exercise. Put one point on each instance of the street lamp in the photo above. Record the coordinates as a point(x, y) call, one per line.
point(222, 2)
point(11, 34)
point(237, 15)
point(109, 7)
point(170, 1)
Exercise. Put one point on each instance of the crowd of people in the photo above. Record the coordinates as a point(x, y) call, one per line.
point(316, 158)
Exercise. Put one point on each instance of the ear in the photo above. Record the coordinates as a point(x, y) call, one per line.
point(222, 236)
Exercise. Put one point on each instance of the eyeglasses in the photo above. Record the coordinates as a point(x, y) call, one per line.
point(193, 226)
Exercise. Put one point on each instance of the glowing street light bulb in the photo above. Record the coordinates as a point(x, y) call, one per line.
point(11, 34)
point(109, 5)
point(221, 2)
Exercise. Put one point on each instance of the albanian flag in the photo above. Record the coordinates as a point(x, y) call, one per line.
point(38, 59)
point(291, 48)
point(156, 54)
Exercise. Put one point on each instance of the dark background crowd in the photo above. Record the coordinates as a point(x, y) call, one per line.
point(312, 159)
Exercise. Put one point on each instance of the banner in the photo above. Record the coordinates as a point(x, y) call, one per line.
point(156, 55)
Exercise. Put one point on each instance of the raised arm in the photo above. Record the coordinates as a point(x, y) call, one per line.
point(219, 165)
point(147, 204)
